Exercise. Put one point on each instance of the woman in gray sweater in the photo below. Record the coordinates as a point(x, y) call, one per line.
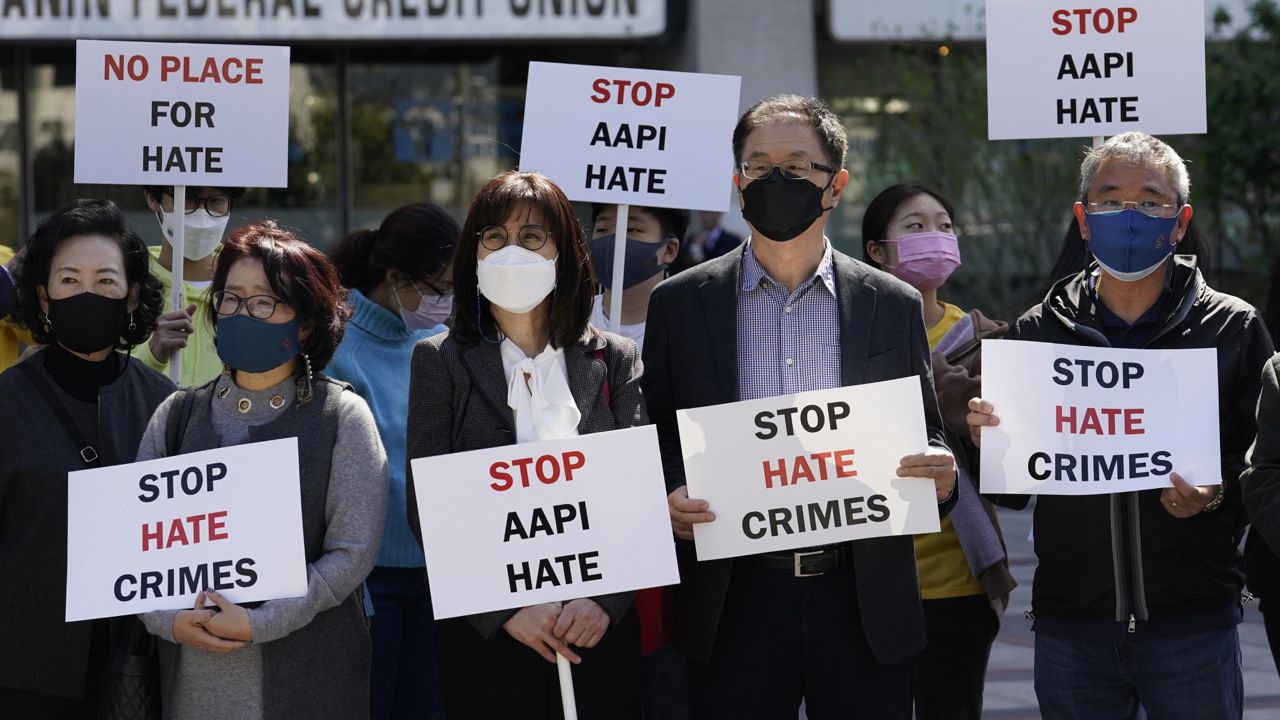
point(278, 314)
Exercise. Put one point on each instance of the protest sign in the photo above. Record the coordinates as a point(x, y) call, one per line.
point(151, 535)
point(808, 469)
point(181, 114)
point(1093, 420)
point(631, 136)
point(546, 521)
point(1094, 67)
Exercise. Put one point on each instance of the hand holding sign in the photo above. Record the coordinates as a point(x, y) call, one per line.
point(534, 626)
point(686, 512)
point(937, 465)
point(189, 628)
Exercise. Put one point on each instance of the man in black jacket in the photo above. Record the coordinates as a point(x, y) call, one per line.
point(786, 313)
point(1136, 597)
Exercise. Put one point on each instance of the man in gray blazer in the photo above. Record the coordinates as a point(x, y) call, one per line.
point(835, 625)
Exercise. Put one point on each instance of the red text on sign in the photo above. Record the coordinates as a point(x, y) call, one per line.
point(641, 93)
point(184, 531)
point(785, 472)
point(547, 469)
point(1100, 421)
point(232, 70)
point(1101, 20)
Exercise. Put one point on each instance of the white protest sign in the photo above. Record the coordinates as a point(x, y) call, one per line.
point(628, 136)
point(1094, 67)
point(153, 534)
point(181, 114)
point(544, 521)
point(1093, 420)
point(808, 469)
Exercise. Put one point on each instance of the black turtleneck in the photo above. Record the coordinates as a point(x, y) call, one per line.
point(78, 377)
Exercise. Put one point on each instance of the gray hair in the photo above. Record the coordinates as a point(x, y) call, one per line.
point(1141, 149)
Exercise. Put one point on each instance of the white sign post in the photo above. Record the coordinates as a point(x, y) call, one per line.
point(152, 535)
point(1094, 67)
point(809, 469)
point(182, 115)
point(545, 522)
point(1092, 420)
point(627, 136)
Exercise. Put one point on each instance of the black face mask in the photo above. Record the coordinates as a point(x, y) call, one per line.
point(87, 323)
point(781, 208)
point(641, 264)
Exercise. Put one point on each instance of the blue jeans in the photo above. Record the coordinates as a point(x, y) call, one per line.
point(405, 682)
point(1195, 676)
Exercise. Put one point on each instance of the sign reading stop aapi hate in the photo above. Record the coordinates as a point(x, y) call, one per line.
point(181, 114)
point(1094, 67)
point(151, 535)
point(809, 469)
point(1092, 420)
point(546, 521)
point(621, 135)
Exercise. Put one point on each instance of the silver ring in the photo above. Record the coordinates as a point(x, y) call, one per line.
point(1173, 504)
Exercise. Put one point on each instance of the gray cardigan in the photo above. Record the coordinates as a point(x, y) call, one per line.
point(458, 402)
point(39, 651)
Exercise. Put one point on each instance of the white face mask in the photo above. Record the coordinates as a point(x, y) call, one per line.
point(202, 232)
point(516, 279)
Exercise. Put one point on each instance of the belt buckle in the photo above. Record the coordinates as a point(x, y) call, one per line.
point(801, 573)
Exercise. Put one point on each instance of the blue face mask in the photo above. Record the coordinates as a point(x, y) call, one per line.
point(1128, 244)
point(641, 263)
point(256, 346)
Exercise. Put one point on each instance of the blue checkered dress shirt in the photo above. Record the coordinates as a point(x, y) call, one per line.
point(787, 342)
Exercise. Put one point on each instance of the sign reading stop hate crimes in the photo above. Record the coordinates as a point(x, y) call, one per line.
point(1080, 68)
point(544, 521)
point(807, 469)
point(1093, 420)
point(621, 135)
point(153, 534)
point(181, 114)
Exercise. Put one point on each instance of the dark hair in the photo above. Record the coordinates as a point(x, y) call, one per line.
point(416, 240)
point(1271, 314)
point(83, 218)
point(882, 208)
point(575, 280)
point(156, 191)
point(793, 108)
point(299, 274)
point(672, 222)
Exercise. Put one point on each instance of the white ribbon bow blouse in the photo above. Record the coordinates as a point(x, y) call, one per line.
point(538, 394)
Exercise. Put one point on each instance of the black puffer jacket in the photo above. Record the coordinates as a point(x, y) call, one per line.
point(1123, 557)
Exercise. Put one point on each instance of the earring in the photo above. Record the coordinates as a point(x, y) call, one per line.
point(47, 326)
point(305, 391)
point(132, 325)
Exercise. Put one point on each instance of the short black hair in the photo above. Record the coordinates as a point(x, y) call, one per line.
point(672, 221)
point(81, 218)
point(881, 209)
point(798, 109)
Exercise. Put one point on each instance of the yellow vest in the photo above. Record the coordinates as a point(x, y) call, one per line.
point(12, 338)
point(940, 561)
point(200, 362)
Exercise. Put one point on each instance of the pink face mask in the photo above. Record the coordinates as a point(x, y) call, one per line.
point(927, 259)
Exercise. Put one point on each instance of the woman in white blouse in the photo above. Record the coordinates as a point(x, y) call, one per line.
point(521, 364)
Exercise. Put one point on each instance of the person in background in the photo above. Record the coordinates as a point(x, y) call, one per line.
point(908, 230)
point(400, 290)
point(207, 211)
point(1260, 484)
point(12, 338)
point(708, 242)
point(653, 242)
point(81, 402)
point(277, 313)
point(522, 363)
point(1136, 599)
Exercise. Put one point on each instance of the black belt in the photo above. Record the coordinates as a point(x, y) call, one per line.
point(805, 563)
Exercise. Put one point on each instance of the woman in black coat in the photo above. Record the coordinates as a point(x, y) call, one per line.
point(86, 291)
point(521, 364)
